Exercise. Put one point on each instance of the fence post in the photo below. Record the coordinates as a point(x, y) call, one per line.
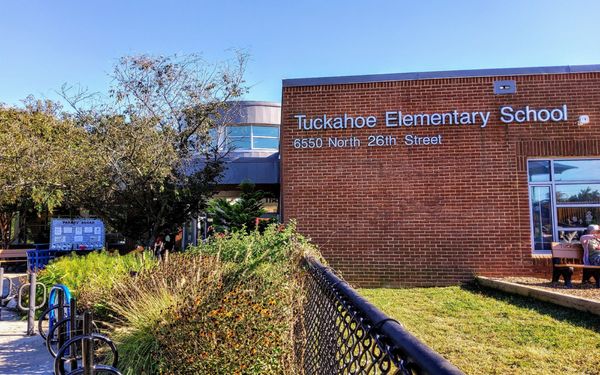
point(87, 345)
point(60, 315)
point(31, 310)
point(2, 296)
point(32, 284)
point(72, 330)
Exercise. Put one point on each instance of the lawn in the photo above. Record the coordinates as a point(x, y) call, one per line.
point(487, 332)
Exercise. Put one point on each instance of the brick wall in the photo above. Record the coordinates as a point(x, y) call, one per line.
point(428, 215)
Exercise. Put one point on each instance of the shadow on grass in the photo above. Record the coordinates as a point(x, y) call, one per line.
point(563, 314)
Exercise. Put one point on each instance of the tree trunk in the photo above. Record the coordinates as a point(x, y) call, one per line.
point(21, 235)
point(5, 226)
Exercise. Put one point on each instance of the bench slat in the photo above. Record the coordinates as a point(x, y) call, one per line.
point(568, 253)
point(567, 250)
point(13, 253)
point(577, 265)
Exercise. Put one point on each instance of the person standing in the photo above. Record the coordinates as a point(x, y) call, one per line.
point(159, 246)
point(169, 241)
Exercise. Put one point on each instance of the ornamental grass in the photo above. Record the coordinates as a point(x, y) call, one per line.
point(228, 306)
point(92, 277)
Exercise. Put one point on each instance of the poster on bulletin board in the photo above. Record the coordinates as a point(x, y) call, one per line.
point(76, 234)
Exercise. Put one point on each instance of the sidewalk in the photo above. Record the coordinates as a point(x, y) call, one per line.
point(21, 354)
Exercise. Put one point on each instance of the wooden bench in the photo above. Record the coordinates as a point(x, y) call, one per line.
point(568, 256)
point(13, 255)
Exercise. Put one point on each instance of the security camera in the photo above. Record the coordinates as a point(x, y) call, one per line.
point(583, 119)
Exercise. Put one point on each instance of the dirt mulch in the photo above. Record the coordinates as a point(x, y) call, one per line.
point(588, 290)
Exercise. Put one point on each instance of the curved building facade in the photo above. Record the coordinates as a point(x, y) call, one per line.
point(250, 134)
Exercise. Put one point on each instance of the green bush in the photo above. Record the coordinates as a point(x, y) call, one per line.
point(91, 277)
point(249, 250)
point(144, 304)
point(227, 306)
point(240, 214)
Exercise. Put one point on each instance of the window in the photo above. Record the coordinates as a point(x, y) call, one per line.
point(541, 217)
point(539, 170)
point(240, 137)
point(564, 199)
point(577, 170)
point(251, 137)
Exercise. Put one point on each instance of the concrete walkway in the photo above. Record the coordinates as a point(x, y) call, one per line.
point(21, 354)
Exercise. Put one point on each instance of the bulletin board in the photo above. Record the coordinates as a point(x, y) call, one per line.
point(76, 234)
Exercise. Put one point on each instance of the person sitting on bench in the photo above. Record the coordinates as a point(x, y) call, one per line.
point(591, 246)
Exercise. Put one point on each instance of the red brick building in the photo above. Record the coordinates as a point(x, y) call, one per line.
point(430, 178)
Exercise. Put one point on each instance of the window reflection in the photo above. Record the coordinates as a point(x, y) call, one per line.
point(242, 143)
point(580, 193)
point(265, 131)
point(565, 199)
point(266, 142)
point(238, 131)
point(539, 170)
point(541, 212)
point(249, 137)
point(576, 170)
point(570, 235)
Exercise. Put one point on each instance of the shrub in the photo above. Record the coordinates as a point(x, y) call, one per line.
point(248, 251)
point(239, 214)
point(91, 277)
point(246, 329)
point(225, 307)
point(143, 304)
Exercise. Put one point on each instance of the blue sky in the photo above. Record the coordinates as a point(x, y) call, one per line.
point(47, 43)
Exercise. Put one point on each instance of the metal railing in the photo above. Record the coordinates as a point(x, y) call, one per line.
point(80, 350)
point(5, 296)
point(73, 340)
point(345, 334)
point(32, 287)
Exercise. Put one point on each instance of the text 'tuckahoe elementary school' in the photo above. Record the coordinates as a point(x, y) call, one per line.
point(418, 179)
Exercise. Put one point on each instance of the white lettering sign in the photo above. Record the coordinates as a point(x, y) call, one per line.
point(342, 122)
point(393, 119)
point(398, 119)
point(509, 115)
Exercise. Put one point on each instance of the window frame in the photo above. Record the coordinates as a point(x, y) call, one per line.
point(552, 183)
point(252, 137)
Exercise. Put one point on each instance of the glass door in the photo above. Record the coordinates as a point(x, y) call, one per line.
point(541, 217)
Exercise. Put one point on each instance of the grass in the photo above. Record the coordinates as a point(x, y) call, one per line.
point(487, 332)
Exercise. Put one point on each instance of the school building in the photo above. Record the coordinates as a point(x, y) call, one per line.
point(430, 178)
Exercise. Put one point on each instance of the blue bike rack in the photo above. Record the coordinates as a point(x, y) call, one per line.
point(53, 301)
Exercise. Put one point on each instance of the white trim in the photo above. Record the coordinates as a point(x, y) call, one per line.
point(531, 227)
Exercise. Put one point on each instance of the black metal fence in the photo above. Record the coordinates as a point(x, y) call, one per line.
point(345, 334)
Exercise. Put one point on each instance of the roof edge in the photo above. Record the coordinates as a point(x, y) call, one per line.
point(413, 76)
point(251, 103)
